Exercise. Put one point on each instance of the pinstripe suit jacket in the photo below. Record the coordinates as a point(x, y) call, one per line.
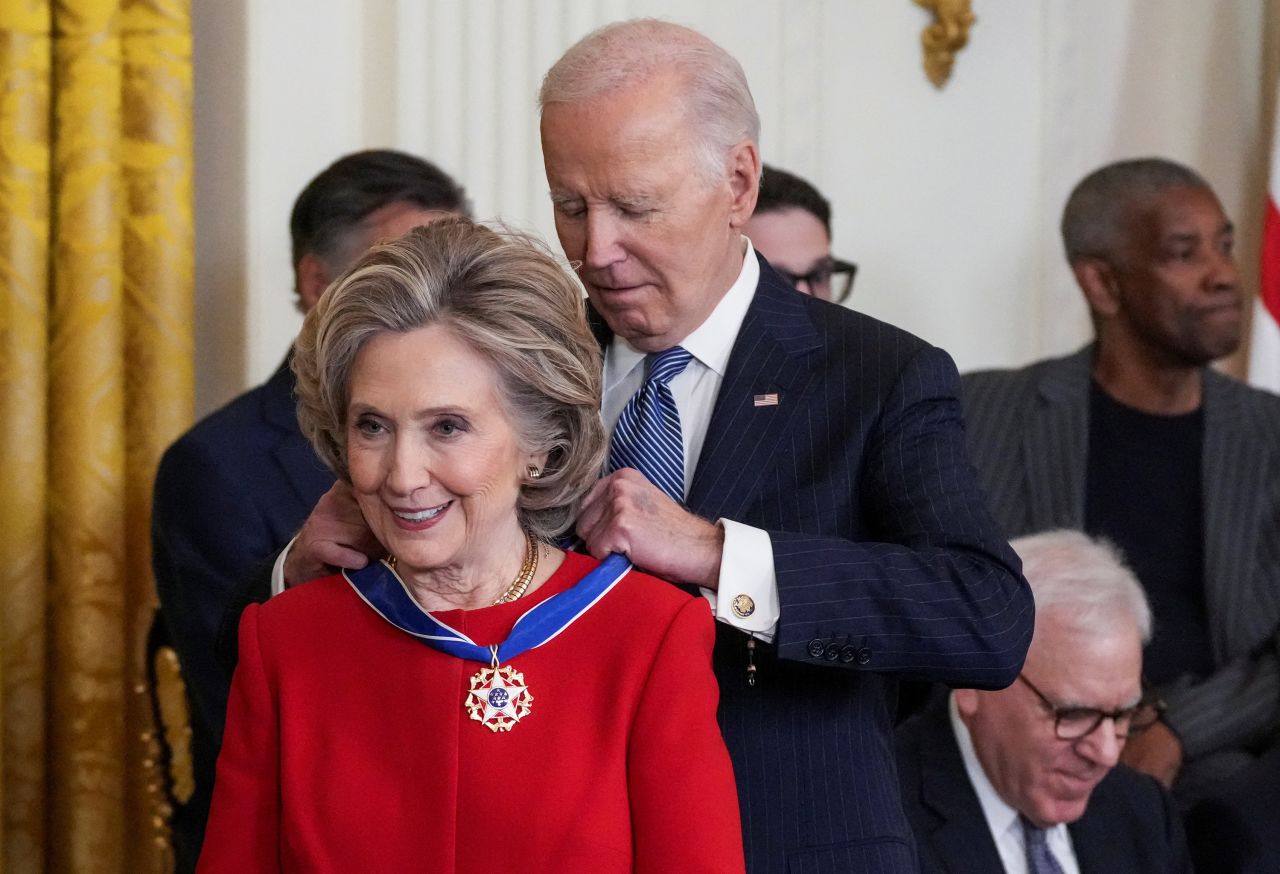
point(888, 565)
point(1028, 436)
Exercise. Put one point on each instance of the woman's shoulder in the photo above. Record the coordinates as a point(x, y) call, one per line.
point(306, 602)
point(638, 597)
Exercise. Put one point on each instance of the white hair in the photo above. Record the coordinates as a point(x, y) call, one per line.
point(716, 98)
point(1083, 581)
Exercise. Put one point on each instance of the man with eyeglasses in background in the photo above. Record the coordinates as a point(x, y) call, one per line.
point(791, 228)
point(1026, 780)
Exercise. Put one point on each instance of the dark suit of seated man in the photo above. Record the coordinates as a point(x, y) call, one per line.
point(1025, 780)
point(233, 490)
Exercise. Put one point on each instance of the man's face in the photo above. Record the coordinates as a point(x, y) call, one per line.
point(795, 242)
point(1177, 284)
point(1045, 778)
point(657, 243)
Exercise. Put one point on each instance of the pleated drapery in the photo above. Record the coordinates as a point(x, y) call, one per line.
point(95, 380)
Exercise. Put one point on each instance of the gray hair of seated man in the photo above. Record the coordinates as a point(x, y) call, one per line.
point(1082, 581)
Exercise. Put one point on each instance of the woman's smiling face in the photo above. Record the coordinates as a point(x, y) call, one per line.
point(434, 459)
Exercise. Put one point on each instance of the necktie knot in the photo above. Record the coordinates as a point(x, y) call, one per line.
point(662, 367)
point(647, 436)
point(1040, 859)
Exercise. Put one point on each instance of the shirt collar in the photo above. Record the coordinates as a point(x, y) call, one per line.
point(1001, 818)
point(710, 343)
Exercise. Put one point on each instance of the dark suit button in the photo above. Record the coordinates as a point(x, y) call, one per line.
point(815, 648)
point(863, 655)
point(832, 652)
point(848, 654)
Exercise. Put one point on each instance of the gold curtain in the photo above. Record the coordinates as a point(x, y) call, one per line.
point(95, 380)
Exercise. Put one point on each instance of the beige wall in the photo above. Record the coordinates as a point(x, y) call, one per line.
point(948, 200)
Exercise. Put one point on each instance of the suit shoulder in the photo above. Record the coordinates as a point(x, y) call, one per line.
point(838, 324)
point(1261, 405)
point(1136, 784)
point(1007, 390)
point(1007, 380)
point(227, 427)
point(1140, 793)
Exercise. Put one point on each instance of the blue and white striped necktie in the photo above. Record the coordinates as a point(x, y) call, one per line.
point(647, 436)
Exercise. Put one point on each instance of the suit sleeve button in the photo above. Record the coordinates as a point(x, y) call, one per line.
point(863, 655)
point(832, 652)
point(848, 654)
point(815, 648)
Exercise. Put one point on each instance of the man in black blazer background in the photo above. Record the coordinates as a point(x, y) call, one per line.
point(1026, 779)
point(234, 488)
point(828, 510)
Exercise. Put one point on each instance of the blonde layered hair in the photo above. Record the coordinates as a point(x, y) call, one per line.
point(508, 298)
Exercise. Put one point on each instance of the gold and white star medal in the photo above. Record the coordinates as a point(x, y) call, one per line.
point(498, 697)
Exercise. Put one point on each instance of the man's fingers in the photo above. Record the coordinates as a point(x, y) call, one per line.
point(337, 555)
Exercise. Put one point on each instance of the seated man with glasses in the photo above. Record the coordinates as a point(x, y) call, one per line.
point(791, 228)
point(1027, 779)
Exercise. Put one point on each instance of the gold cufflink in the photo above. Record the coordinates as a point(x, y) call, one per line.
point(743, 606)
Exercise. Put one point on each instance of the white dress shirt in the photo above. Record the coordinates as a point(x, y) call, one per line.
point(1002, 820)
point(746, 565)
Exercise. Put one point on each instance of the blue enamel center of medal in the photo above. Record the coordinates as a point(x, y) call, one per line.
point(382, 590)
point(498, 698)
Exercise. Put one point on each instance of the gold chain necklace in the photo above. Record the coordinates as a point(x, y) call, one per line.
point(520, 584)
point(527, 569)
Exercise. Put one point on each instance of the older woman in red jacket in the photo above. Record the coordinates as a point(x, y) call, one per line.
point(479, 700)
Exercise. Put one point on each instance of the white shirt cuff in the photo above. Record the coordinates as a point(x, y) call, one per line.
point(277, 570)
point(748, 595)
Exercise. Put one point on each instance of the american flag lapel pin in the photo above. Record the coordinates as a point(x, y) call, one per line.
point(765, 400)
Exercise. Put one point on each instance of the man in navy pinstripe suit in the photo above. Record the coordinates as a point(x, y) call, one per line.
point(830, 513)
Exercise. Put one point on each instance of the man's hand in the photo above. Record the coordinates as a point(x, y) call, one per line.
point(626, 513)
point(1157, 751)
point(335, 535)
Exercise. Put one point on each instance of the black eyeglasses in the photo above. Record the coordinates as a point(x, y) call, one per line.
point(830, 278)
point(1073, 723)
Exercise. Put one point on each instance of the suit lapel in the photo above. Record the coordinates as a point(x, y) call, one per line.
point(1055, 445)
point(772, 355)
point(962, 838)
point(1234, 475)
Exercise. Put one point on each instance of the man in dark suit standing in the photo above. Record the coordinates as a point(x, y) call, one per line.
point(233, 489)
point(1025, 780)
point(806, 468)
point(1137, 439)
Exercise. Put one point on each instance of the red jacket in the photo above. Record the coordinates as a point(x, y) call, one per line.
point(348, 749)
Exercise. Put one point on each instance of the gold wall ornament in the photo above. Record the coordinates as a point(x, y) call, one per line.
point(947, 35)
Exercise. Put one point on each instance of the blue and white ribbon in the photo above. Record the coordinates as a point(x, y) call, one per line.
point(380, 588)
